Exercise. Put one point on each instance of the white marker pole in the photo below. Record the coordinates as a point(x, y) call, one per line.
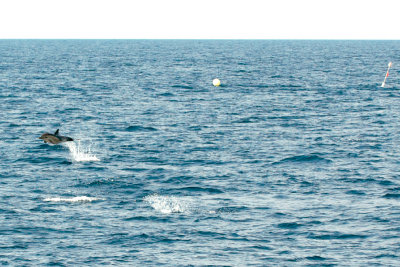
point(387, 74)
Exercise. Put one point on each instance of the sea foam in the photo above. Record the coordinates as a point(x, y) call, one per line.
point(168, 204)
point(72, 199)
point(80, 153)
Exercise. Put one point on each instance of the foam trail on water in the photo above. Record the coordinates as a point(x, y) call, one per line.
point(167, 204)
point(79, 153)
point(72, 200)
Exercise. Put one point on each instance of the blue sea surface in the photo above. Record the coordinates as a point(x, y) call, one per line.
point(293, 161)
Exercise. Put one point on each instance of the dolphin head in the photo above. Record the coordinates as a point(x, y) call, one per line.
point(44, 136)
point(50, 138)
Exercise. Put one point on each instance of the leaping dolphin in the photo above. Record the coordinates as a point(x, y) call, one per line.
point(55, 138)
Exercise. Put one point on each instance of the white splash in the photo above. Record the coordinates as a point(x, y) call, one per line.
point(72, 200)
point(79, 153)
point(167, 204)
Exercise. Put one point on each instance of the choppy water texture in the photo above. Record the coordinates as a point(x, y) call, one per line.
point(293, 161)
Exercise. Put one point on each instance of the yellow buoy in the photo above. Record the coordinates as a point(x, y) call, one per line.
point(216, 82)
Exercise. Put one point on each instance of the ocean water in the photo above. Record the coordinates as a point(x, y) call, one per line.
point(293, 161)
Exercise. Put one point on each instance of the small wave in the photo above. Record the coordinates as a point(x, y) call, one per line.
point(315, 258)
point(72, 200)
point(167, 204)
point(202, 189)
point(289, 225)
point(230, 209)
point(386, 255)
point(166, 94)
point(137, 128)
point(336, 235)
point(304, 159)
point(391, 196)
point(179, 86)
point(251, 119)
point(97, 182)
point(355, 192)
point(79, 153)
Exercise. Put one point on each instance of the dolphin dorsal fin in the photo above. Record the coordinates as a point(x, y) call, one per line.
point(56, 133)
